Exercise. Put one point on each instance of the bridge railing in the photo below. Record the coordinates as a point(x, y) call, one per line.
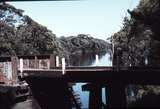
point(9, 65)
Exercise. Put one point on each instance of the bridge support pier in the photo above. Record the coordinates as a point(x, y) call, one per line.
point(116, 96)
point(95, 98)
point(95, 95)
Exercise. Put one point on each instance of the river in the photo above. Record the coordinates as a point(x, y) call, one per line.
point(103, 61)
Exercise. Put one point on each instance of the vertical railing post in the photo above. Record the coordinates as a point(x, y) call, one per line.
point(52, 61)
point(36, 63)
point(14, 64)
point(63, 66)
point(57, 61)
point(21, 67)
point(97, 60)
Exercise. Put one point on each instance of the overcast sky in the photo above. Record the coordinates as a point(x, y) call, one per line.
point(99, 18)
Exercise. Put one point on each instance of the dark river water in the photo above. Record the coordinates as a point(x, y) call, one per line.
point(104, 60)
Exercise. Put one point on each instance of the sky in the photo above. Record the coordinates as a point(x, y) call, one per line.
point(98, 18)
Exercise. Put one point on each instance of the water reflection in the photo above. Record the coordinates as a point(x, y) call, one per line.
point(104, 60)
point(84, 59)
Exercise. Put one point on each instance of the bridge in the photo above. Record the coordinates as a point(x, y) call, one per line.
point(40, 71)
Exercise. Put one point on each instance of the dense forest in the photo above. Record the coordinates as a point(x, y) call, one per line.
point(139, 41)
point(21, 35)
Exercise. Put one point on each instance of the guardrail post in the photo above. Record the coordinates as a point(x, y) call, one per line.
point(14, 64)
point(52, 61)
point(97, 60)
point(63, 66)
point(36, 63)
point(57, 61)
point(21, 67)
